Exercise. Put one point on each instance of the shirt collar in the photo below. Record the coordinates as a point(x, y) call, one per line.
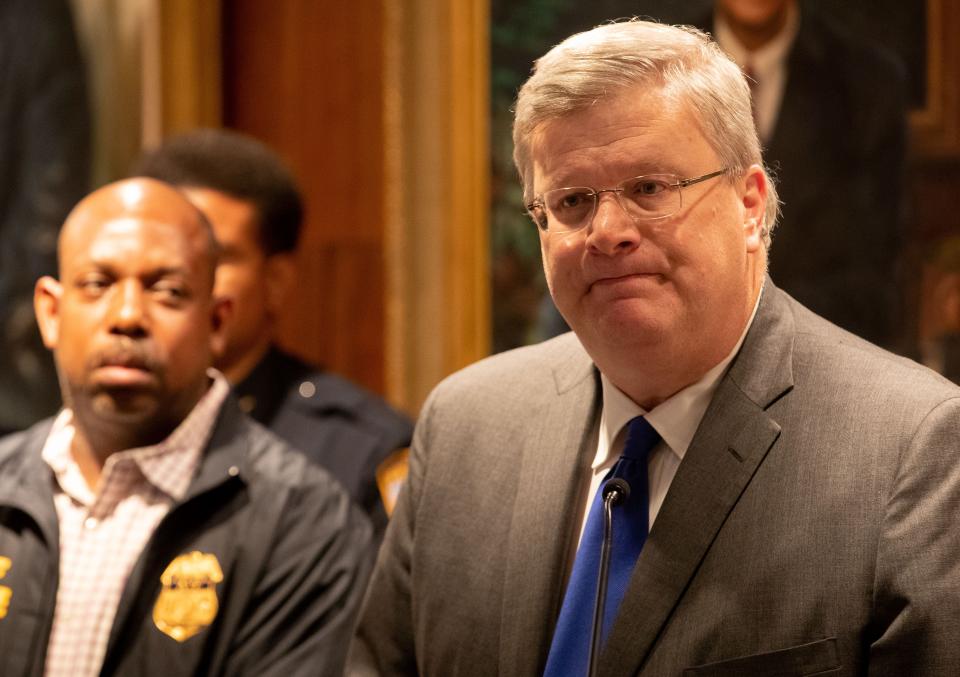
point(168, 465)
point(676, 419)
point(762, 61)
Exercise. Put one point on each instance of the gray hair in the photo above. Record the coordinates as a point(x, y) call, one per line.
point(683, 61)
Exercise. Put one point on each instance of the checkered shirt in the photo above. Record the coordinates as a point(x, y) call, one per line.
point(102, 533)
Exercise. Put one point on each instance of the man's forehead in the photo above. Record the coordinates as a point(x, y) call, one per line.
point(144, 197)
point(139, 198)
point(638, 130)
point(123, 236)
point(226, 213)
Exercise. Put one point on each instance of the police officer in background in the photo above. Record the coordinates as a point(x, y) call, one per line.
point(256, 211)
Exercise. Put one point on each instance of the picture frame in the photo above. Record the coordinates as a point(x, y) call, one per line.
point(935, 127)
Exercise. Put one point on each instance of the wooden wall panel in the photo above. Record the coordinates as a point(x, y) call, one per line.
point(306, 78)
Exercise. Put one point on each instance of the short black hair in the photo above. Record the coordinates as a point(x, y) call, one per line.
point(241, 167)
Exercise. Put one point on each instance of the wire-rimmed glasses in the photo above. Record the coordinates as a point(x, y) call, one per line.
point(644, 198)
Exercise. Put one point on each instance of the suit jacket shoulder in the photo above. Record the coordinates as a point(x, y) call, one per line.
point(526, 374)
point(825, 353)
point(495, 472)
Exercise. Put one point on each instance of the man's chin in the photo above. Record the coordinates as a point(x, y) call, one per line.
point(124, 404)
point(627, 321)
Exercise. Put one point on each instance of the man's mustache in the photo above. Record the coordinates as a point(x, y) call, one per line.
point(126, 353)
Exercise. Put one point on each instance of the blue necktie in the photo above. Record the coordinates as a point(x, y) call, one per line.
point(570, 649)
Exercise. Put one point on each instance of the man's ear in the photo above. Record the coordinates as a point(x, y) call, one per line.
point(279, 277)
point(46, 305)
point(754, 201)
point(221, 308)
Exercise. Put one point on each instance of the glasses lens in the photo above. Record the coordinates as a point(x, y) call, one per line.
point(569, 208)
point(650, 197)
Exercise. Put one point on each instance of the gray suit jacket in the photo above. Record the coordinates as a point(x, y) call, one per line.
point(811, 528)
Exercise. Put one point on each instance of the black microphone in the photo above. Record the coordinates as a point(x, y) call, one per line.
point(614, 491)
point(618, 488)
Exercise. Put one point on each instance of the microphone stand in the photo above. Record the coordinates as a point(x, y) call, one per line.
point(614, 491)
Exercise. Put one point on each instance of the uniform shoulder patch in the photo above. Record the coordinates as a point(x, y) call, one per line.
point(5, 591)
point(391, 474)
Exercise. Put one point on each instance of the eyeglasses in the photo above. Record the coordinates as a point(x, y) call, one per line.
point(643, 198)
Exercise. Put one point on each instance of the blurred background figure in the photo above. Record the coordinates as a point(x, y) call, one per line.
point(45, 147)
point(831, 113)
point(256, 211)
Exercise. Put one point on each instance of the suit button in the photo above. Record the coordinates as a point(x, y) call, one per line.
point(307, 389)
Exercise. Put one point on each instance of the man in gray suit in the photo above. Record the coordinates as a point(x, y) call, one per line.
point(801, 499)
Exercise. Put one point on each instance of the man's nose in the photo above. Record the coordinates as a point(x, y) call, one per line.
point(127, 310)
point(611, 230)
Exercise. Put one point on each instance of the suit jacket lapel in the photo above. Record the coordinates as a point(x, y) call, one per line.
point(555, 455)
point(732, 440)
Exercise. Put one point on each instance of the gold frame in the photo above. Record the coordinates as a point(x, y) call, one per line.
point(935, 128)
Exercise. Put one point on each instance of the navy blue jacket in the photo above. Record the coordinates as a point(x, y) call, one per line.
point(337, 424)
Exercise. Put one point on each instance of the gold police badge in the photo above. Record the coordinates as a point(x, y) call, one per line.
point(188, 601)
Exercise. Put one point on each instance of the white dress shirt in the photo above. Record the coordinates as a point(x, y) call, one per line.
point(675, 419)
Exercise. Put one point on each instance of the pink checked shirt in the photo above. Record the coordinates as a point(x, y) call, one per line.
point(103, 533)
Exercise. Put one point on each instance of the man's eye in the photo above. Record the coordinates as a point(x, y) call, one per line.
point(646, 187)
point(169, 291)
point(93, 284)
point(573, 200)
